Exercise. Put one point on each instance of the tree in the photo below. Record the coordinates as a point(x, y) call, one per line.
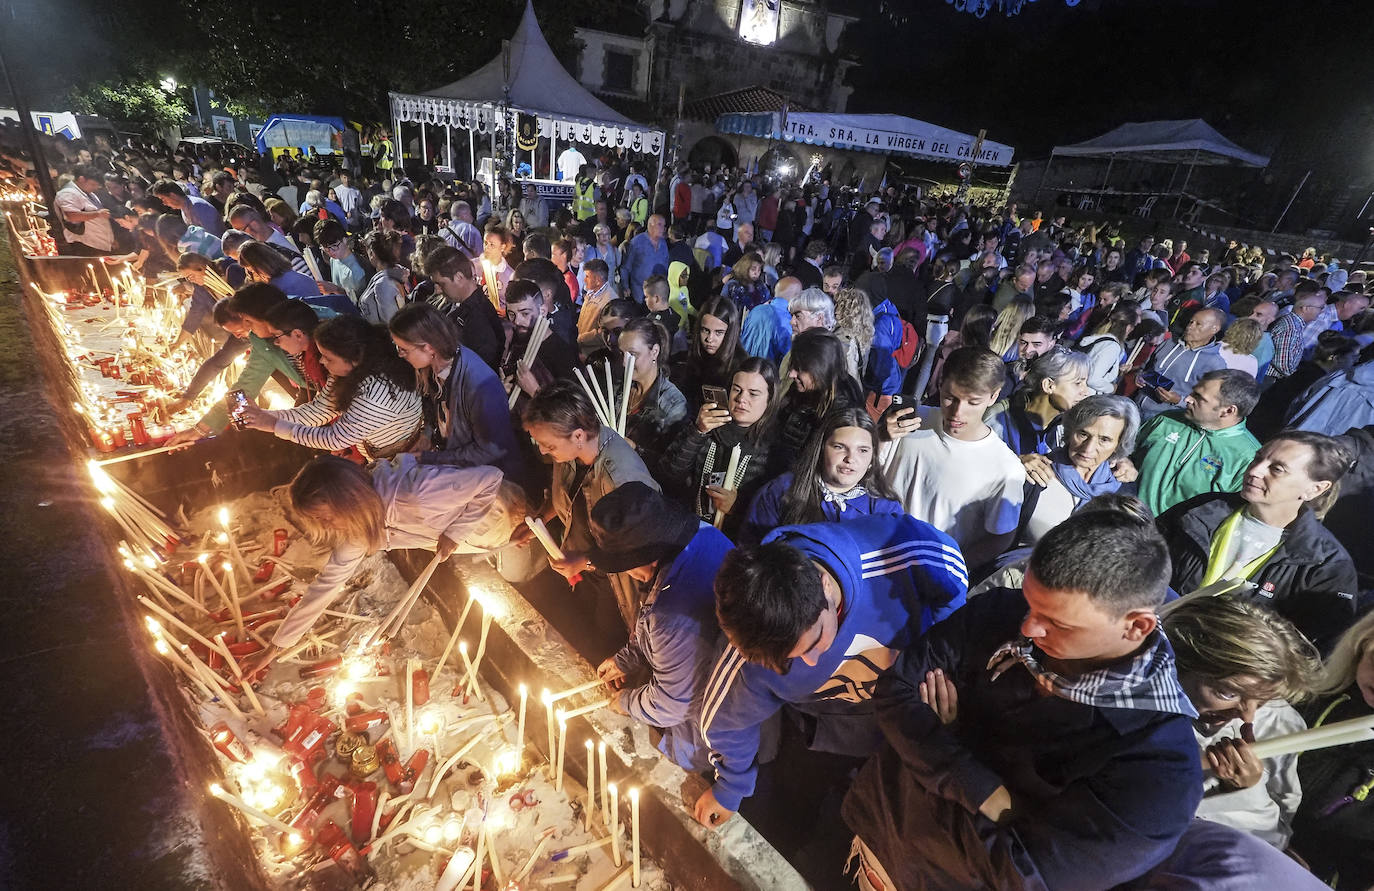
point(139, 100)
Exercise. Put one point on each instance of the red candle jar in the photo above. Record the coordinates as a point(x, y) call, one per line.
point(419, 687)
point(264, 572)
point(229, 745)
point(279, 537)
point(414, 767)
point(320, 669)
point(364, 722)
point(364, 809)
point(391, 762)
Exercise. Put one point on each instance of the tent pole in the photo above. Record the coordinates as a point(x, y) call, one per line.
point(553, 151)
point(1108, 178)
point(424, 146)
point(1043, 176)
point(1187, 176)
point(448, 145)
point(472, 158)
point(399, 147)
point(1290, 201)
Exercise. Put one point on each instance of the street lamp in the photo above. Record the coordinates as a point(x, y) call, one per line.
point(169, 84)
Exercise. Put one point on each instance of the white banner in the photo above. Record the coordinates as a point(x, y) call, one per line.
point(892, 134)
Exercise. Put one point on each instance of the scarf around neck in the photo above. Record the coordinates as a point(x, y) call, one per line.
point(1101, 483)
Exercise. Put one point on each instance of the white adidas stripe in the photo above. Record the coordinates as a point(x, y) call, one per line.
point(957, 572)
point(942, 554)
point(708, 713)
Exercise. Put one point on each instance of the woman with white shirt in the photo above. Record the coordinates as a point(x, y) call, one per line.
point(1097, 431)
point(1241, 665)
point(1238, 346)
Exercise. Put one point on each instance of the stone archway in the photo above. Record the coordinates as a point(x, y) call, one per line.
point(714, 151)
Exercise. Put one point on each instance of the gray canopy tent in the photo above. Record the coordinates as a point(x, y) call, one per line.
point(526, 78)
point(1192, 142)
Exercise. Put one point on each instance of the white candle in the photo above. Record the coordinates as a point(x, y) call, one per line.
point(219, 792)
point(634, 836)
point(477, 863)
point(548, 721)
point(170, 617)
point(625, 397)
point(470, 680)
point(410, 705)
point(234, 598)
point(614, 807)
point(569, 715)
point(481, 647)
point(591, 786)
point(601, 751)
point(497, 871)
point(562, 753)
point(590, 685)
point(520, 728)
point(238, 674)
point(728, 484)
point(1340, 733)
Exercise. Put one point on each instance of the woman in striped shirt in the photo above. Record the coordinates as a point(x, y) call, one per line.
point(369, 402)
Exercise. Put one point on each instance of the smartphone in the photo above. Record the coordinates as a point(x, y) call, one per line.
point(716, 395)
point(236, 401)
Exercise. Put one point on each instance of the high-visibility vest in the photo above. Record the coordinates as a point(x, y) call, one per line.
point(584, 199)
point(384, 161)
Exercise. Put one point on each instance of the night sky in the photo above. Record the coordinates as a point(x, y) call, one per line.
point(1266, 74)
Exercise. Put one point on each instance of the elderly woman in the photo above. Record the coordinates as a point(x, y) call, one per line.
point(1097, 431)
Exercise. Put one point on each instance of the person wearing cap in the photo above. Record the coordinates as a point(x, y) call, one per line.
point(660, 674)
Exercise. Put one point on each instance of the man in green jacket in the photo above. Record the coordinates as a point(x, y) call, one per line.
point(1203, 448)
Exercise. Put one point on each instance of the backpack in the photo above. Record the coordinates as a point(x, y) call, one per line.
point(893, 334)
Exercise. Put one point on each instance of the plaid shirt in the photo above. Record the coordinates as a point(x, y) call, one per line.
point(1287, 336)
point(1148, 682)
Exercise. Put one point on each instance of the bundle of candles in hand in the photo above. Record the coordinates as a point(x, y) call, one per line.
point(121, 334)
point(372, 746)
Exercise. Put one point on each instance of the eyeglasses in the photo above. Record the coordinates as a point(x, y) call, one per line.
point(276, 338)
point(333, 246)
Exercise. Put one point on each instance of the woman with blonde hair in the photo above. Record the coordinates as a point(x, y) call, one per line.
point(1239, 343)
point(401, 503)
point(1334, 828)
point(854, 328)
point(1008, 326)
point(1243, 667)
point(747, 287)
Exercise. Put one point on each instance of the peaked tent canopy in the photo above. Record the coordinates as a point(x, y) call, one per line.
point(533, 83)
point(885, 133)
point(1167, 142)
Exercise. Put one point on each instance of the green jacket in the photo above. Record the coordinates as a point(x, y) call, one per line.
point(1177, 459)
point(264, 358)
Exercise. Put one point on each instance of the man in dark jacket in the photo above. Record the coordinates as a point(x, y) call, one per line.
point(1308, 578)
point(1352, 516)
point(1037, 739)
point(458, 296)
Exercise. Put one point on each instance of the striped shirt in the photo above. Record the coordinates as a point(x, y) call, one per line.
point(380, 419)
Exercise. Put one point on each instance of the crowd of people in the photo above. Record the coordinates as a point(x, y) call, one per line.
point(1023, 533)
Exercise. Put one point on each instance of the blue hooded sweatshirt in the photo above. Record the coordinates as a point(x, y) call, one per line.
point(1338, 402)
point(898, 576)
point(675, 637)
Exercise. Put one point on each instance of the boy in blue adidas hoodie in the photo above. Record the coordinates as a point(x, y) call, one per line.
point(814, 616)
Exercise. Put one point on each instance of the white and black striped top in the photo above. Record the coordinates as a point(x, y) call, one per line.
point(380, 419)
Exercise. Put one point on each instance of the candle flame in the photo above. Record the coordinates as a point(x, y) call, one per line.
point(433, 834)
point(227, 566)
point(546, 697)
point(108, 503)
point(161, 647)
point(452, 829)
point(224, 517)
point(201, 558)
point(463, 647)
point(524, 691)
point(295, 838)
point(216, 790)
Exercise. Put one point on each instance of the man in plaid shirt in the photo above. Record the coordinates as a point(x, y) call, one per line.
point(1287, 331)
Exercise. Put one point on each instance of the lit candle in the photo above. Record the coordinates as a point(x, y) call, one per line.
point(562, 753)
point(590, 685)
point(590, 707)
point(601, 750)
point(520, 728)
point(233, 800)
point(613, 805)
point(634, 836)
point(591, 786)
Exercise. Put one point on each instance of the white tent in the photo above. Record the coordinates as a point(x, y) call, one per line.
point(889, 134)
point(526, 78)
point(1166, 142)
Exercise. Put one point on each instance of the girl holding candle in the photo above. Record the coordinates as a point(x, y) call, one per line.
point(842, 480)
point(697, 459)
point(400, 504)
point(369, 402)
point(1241, 667)
point(590, 461)
point(656, 407)
point(1334, 828)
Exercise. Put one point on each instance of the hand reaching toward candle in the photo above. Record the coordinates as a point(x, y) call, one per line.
point(937, 691)
point(723, 499)
point(184, 438)
point(255, 418)
point(1234, 762)
point(708, 811)
point(609, 672)
point(521, 535)
point(258, 662)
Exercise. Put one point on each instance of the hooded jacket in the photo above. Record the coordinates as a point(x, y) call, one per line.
point(1310, 580)
point(1099, 794)
point(1178, 459)
point(897, 576)
point(1105, 356)
point(479, 428)
point(766, 512)
point(674, 637)
point(1337, 402)
point(1181, 365)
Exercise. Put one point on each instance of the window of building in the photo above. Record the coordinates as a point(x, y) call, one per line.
point(619, 73)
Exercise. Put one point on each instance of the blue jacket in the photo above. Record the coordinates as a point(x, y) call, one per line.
point(1336, 403)
point(765, 514)
point(642, 260)
point(767, 331)
point(675, 637)
point(1099, 795)
point(294, 284)
point(898, 576)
